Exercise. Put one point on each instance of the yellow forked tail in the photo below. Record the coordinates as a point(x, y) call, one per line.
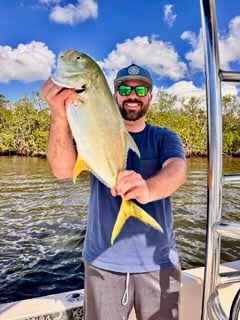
point(127, 209)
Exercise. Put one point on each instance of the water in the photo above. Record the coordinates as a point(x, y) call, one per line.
point(43, 222)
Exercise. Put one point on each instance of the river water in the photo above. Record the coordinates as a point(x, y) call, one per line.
point(43, 221)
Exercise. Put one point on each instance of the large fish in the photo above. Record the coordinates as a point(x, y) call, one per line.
point(98, 129)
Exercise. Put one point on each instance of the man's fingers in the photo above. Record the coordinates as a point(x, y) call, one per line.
point(131, 185)
point(125, 173)
point(124, 177)
point(127, 180)
point(49, 89)
point(114, 192)
point(127, 185)
point(56, 95)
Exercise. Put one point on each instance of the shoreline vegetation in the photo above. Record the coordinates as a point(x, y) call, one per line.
point(24, 124)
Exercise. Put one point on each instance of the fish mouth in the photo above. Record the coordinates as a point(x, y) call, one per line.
point(82, 89)
point(64, 85)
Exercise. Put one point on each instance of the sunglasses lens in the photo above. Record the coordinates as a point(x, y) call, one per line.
point(141, 91)
point(124, 90)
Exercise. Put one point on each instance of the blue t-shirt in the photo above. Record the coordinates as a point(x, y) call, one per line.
point(138, 247)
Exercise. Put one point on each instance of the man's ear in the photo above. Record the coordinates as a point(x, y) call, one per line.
point(150, 97)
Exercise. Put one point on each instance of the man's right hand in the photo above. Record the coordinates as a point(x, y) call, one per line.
point(56, 97)
point(61, 153)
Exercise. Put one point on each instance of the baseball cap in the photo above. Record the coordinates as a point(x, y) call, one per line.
point(133, 71)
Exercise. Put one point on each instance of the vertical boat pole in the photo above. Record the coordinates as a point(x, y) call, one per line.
point(214, 114)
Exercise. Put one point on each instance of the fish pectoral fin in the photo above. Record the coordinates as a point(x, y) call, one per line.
point(131, 144)
point(80, 165)
point(128, 209)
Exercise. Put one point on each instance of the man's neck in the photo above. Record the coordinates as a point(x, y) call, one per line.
point(135, 126)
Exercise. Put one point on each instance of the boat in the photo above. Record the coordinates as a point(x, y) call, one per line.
point(211, 292)
point(69, 305)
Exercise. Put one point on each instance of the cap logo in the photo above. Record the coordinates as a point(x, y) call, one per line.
point(133, 70)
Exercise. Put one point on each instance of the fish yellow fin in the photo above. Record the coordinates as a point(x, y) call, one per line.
point(80, 165)
point(128, 209)
point(131, 144)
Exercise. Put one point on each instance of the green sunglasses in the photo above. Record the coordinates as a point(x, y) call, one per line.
point(125, 90)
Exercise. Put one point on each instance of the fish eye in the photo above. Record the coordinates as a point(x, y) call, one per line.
point(78, 58)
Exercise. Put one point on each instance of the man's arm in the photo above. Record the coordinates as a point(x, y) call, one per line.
point(61, 153)
point(131, 185)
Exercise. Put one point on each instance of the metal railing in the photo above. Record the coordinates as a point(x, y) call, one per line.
point(216, 227)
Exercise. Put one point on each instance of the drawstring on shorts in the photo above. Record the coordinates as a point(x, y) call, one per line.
point(125, 294)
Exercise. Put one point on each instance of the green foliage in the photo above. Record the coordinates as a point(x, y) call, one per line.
point(24, 125)
point(231, 125)
point(3, 101)
point(165, 102)
point(188, 118)
point(24, 128)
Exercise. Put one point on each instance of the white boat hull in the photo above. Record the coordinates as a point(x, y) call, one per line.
point(69, 305)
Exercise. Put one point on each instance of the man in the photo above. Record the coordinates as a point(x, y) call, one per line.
point(141, 268)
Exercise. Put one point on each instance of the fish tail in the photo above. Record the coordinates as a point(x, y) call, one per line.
point(128, 209)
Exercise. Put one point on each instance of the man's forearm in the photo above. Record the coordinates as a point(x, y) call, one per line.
point(168, 179)
point(61, 153)
point(131, 185)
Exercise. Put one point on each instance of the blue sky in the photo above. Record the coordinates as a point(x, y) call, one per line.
point(164, 36)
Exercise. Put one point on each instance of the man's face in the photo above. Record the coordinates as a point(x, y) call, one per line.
point(133, 107)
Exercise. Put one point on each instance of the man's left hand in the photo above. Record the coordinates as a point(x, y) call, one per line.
point(131, 185)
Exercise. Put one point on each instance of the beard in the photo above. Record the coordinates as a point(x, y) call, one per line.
point(132, 114)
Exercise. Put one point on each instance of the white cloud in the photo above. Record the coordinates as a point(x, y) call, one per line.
point(228, 47)
point(186, 89)
point(169, 16)
point(159, 57)
point(49, 2)
point(195, 57)
point(182, 89)
point(229, 88)
point(27, 63)
point(229, 44)
point(73, 14)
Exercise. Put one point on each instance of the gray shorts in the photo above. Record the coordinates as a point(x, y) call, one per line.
point(112, 295)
